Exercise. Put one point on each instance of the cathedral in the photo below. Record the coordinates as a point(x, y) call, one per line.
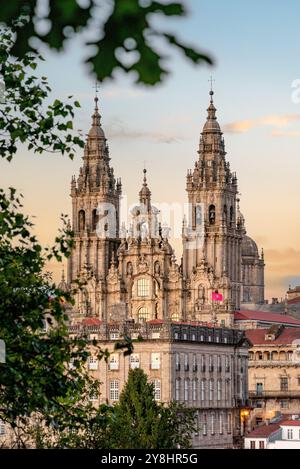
point(130, 273)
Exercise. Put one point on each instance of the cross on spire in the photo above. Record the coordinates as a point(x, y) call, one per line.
point(211, 81)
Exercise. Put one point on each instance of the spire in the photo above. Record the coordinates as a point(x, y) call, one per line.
point(211, 125)
point(145, 193)
point(63, 285)
point(96, 130)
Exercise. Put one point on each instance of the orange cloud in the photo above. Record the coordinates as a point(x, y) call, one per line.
point(272, 120)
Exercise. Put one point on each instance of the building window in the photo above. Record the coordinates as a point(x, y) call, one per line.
point(81, 220)
point(143, 314)
point(177, 389)
point(211, 389)
point(221, 423)
point(143, 287)
point(134, 361)
point(212, 214)
point(185, 336)
point(204, 426)
point(114, 361)
point(203, 363)
point(211, 363)
point(155, 361)
point(219, 364)
point(227, 389)
point(157, 389)
point(284, 404)
point(193, 337)
point(227, 365)
point(186, 362)
point(177, 362)
point(186, 390)
point(194, 389)
point(284, 384)
point(114, 390)
point(114, 336)
point(261, 445)
point(252, 444)
point(229, 422)
point(195, 362)
point(93, 396)
point(298, 380)
point(219, 389)
point(175, 317)
point(2, 428)
point(212, 423)
point(93, 363)
point(290, 434)
point(203, 390)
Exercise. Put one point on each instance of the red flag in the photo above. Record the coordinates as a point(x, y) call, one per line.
point(217, 296)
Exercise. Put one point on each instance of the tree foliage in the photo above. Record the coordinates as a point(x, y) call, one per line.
point(128, 31)
point(142, 423)
point(37, 377)
point(24, 116)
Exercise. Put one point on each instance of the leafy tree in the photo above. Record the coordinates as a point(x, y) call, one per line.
point(126, 33)
point(37, 378)
point(24, 117)
point(141, 423)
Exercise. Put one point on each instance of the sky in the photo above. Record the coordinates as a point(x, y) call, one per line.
point(256, 47)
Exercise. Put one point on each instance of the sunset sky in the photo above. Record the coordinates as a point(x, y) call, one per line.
point(256, 46)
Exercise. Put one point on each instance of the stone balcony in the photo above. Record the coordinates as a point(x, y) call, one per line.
point(275, 394)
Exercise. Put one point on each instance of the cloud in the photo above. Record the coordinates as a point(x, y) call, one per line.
point(286, 133)
point(266, 121)
point(239, 126)
point(119, 130)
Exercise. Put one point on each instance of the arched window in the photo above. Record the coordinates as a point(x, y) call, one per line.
point(143, 287)
point(212, 214)
point(81, 220)
point(175, 317)
point(201, 292)
point(95, 219)
point(225, 214)
point(231, 216)
point(143, 314)
point(198, 215)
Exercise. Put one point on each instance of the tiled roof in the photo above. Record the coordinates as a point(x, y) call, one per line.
point(286, 337)
point(265, 316)
point(294, 300)
point(263, 431)
point(91, 322)
point(290, 423)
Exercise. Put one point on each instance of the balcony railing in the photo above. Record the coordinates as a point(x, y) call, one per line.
point(275, 394)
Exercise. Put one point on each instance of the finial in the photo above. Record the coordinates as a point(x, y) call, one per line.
point(63, 275)
point(145, 176)
point(96, 99)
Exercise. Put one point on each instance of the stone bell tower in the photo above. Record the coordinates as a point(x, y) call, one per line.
point(95, 214)
point(212, 236)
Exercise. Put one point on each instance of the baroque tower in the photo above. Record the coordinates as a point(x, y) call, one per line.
point(95, 213)
point(212, 237)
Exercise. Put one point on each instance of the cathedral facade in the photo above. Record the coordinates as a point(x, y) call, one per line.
point(131, 273)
